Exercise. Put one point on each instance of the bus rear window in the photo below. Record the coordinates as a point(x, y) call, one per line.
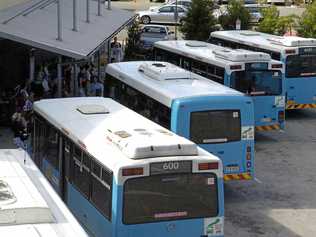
point(215, 126)
point(301, 66)
point(170, 197)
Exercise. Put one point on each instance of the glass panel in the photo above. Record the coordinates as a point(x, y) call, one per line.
point(170, 197)
point(101, 197)
point(301, 66)
point(81, 178)
point(52, 147)
point(257, 82)
point(215, 126)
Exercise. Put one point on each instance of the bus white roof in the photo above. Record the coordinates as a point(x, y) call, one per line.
point(210, 53)
point(161, 86)
point(263, 40)
point(28, 204)
point(118, 138)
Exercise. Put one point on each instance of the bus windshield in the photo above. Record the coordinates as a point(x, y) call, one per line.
point(257, 82)
point(170, 197)
point(301, 65)
point(215, 126)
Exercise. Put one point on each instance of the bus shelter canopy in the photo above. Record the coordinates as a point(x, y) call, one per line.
point(38, 28)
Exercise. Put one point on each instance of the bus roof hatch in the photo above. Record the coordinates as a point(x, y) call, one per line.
point(162, 71)
point(144, 143)
point(241, 55)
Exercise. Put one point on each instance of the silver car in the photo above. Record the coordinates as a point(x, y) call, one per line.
point(185, 3)
point(163, 14)
point(153, 33)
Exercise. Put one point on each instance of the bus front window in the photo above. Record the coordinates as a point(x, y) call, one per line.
point(257, 82)
point(170, 197)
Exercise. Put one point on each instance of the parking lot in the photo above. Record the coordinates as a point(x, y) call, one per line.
point(282, 199)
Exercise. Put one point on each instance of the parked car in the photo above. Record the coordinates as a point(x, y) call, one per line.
point(254, 10)
point(153, 33)
point(163, 14)
point(185, 3)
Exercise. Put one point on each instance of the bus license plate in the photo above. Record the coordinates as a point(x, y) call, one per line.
point(170, 167)
point(232, 169)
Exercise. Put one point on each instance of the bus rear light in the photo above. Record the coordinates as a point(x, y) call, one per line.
point(132, 171)
point(248, 148)
point(276, 66)
point(281, 116)
point(235, 67)
point(290, 51)
point(208, 166)
point(248, 154)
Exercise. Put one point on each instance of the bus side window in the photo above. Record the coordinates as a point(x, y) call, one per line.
point(216, 73)
point(67, 157)
point(52, 141)
point(101, 189)
point(80, 171)
point(39, 140)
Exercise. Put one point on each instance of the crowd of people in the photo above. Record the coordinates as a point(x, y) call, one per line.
point(45, 85)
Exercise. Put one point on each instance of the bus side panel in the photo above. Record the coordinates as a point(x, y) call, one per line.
point(266, 110)
point(89, 217)
point(178, 228)
point(301, 90)
point(232, 154)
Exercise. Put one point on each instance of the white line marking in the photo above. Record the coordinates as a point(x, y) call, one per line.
point(258, 181)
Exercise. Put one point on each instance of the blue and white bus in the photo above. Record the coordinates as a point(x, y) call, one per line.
point(215, 117)
point(123, 175)
point(298, 54)
point(249, 72)
point(29, 206)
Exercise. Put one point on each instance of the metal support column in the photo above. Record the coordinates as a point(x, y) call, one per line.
point(109, 4)
point(59, 20)
point(75, 80)
point(99, 8)
point(32, 66)
point(88, 11)
point(99, 65)
point(59, 77)
point(75, 15)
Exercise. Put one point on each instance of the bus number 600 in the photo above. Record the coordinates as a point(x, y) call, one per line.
point(171, 166)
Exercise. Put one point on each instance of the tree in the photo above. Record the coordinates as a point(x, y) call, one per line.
point(307, 23)
point(132, 45)
point(199, 21)
point(286, 24)
point(269, 23)
point(235, 10)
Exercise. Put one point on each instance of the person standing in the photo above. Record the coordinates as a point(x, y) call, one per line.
point(116, 51)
